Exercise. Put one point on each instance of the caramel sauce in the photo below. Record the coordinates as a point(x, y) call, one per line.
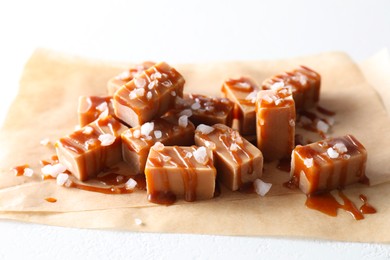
point(163, 198)
point(241, 84)
point(284, 164)
point(19, 170)
point(366, 208)
point(325, 111)
point(51, 200)
point(327, 204)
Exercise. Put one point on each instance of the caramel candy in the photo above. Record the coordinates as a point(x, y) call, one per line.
point(304, 83)
point(173, 171)
point(169, 130)
point(243, 92)
point(328, 164)
point(237, 161)
point(90, 108)
point(149, 95)
point(90, 149)
point(207, 110)
point(275, 123)
point(116, 82)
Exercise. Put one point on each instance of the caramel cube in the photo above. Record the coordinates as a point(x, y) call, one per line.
point(149, 95)
point(243, 92)
point(184, 172)
point(116, 82)
point(305, 85)
point(169, 130)
point(237, 161)
point(90, 108)
point(275, 123)
point(328, 164)
point(207, 110)
point(89, 150)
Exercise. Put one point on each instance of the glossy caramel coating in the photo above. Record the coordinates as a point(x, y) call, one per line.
point(91, 107)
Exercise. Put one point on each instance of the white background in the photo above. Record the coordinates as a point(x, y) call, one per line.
point(180, 31)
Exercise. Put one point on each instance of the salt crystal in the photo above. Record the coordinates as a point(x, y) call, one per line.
point(173, 93)
point(261, 187)
point(245, 85)
point(62, 178)
point(138, 221)
point(151, 84)
point(106, 139)
point(137, 133)
point(139, 82)
point(124, 75)
point(167, 83)
point(147, 128)
point(268, 99)
point(195, 106)
point(188, 155)
point(45, 141)
point(340, 147)
point(200, 155)
point(308, 162)
point(132, 94)
point(252, 96)
point(77, 127)
point(332, 153)
point(156, 75)
point(157, 134)
point(292, 122)
point(53, 170)
point(149, 95)
point(28, 172)
point(278, 101)
point(104, 114)
point(158, 146)
point(204, 129)
point(233, 147)
point(210, 145)
point(130, 184)
point(87, 130)
point(183, 121)
point(186, 112)
point(277, 85)
point(101, 107)
point(303, 80)
point(322, 126)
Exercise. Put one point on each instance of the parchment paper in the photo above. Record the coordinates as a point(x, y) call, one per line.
point(46, 108)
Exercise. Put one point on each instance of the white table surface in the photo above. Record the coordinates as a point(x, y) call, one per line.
point(181, 31)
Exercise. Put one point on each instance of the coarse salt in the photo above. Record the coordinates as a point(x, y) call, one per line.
point(53, 170)
point(200, 155)
point(261, 187)
point(147, 128)
point(106, 139)
point(268, 99)
point(322, 126)
point(130, 184)
point(149, 95)
point(137, 133)
point(139, 82)
point(204, 129)
point(244, 85)
point(332, 153)
point(157, 134)
point(28, 172)
point(183, 121)
point(45, 141)
point(292, 122)
point(173, 93)
point(308, 162)
point(252, 96)
point(152, 84)
point(138, 221)
point(62, 178)
point(195, 106)
point(188, 155)
point(233, 147)
point(340, 147)
point(87, 130)
point(277, 85)
point(102, 106)
point(158, 146)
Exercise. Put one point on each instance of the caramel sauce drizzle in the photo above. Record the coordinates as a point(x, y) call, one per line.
point(51, 200)
point(19, 170)
point(241, 84)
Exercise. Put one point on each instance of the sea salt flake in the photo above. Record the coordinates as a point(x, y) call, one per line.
point(204, 129)
point(149, 95)
point(45, 141)
point(139, 82)
point(244, 85)
point(200, 155)
point(53, 170)
point(157, 134)
point(183, 121)
point(252, 96)
point(62, 178)
point(292, 122)
point(268, 99)
point(106, 139)
point(173, 93)
point(147, 128)
point(261, 187)
point(322, 126)
point(210, 145)
point(28, 172)
point(277, 86)
point(278, 101)
point(186, 112)
point(137, 133)
point(233, 147)
point(102, 106)
point(188, 155)
point(195, 106)
point(130, 184)
point(303, 80)
point(340, 147)
point(332, 153)
point(308, 162)
point(87, 130)
point(158, 147)
point(138, 222)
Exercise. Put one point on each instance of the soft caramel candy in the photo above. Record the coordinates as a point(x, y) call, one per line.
point(116, 82)
point(304, 83)
point(243, 93)
point(89, 150)
point(169, 130)
point(184, 172)
point(328, 164)
point(237, 161)
point(275, 123)
point(90, 108)
point(149, 95)
point(207, 110)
